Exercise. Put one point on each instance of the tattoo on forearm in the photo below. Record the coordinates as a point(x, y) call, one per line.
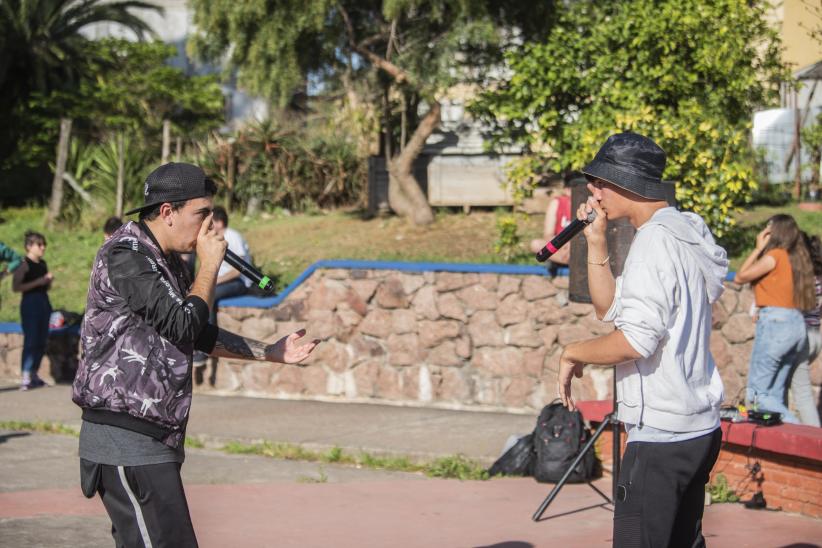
point(240, 347)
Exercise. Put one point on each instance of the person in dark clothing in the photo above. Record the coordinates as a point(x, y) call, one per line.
point(111, 226)
point(33, 280)
point(144, 318)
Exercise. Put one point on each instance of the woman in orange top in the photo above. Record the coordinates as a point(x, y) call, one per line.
point(781, 272)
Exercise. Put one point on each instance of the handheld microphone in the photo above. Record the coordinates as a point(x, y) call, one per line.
point(573, 228)
point(260, 280)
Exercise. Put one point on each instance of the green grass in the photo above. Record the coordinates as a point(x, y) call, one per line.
point(40, 427)
point(286, 245)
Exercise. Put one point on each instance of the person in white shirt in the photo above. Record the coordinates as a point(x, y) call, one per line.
point(668, 387)
point(229, 281)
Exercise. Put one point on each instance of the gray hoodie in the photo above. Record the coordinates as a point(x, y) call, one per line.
point(673, 273)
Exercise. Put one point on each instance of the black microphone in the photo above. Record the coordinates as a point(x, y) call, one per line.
point(573, 228)
point(260, 280)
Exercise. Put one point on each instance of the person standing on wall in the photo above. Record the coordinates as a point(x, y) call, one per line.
point(780, 270)
point(668, 387)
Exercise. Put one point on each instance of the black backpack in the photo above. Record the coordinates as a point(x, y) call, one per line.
point(518, 460)
point(558, 438)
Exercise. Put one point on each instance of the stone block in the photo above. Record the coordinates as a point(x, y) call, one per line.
point(403, 349)
point(450, 281)
point(315, 380)
point(548, 335)
point(580, 309)
point(729, 299)
point(403, 321)
point(445, 354)
point(537, 287)
point(364, 288)
point(476, 297)
point(332, 354)
point(324, 325)
point(227, 322)
point(719, 350)
point(572, 333)
point(433, 333)
point(327, 294)
point(534, 360)
point(739, 328)
point(363, 348)
point(515, 391)
point(390, 294)
point(288, 380)
point(463, 347)
point(365, 377)
point(487, 390)
point(450, 306)
point(411, 282)
point(484, 330)
point(424, 303)
point(513, 309)
point(228, 375)
point(388, 384)
point(522, 334)
point(594, 326)
point(560, 282)
point(377, 323)
point(355, 303)
point(347, 317)
point(745, 300)
point(258, 328)
point(508, 284)
point(453, 385)
point(489, 281)
point(415, 383)
point(256, 377)
point(554, 316)
point(499, 362)
point(718, 315)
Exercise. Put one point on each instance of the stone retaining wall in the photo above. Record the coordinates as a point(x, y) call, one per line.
point(447, 339)
point(461, 340)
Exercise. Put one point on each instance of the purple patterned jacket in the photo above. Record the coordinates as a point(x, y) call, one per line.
point(138, 335)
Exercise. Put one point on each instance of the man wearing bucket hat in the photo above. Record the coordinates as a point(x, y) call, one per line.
point(668, 387)
point(144, 319)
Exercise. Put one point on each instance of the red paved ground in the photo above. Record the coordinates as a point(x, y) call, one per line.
point(416, 513)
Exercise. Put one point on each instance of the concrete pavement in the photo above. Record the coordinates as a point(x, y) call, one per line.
point(243, 500)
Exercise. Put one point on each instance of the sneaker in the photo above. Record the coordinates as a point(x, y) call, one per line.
point(37, 382)
point(24, 386)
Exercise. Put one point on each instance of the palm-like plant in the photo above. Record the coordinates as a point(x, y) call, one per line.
point(41, 47)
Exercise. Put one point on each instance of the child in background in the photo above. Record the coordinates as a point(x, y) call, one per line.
point(782, 276)
point(33, 280)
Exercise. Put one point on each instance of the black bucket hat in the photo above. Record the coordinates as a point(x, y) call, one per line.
point(633, 162)
point(173, 182)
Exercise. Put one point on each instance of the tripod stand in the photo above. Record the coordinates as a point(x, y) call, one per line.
point(611, 419)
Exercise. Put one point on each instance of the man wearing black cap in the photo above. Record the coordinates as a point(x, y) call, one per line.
point(144, 319)
point(668, 387)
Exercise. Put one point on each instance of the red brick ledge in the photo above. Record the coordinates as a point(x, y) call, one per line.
point(787, 439)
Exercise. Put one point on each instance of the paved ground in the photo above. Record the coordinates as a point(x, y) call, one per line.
point(256, 501)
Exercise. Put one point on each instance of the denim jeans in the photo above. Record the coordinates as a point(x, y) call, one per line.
point(780, 341)
point(801, 390)
point(35, 310)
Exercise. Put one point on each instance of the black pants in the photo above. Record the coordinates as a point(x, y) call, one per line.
point(661, 492)
point(147, 504)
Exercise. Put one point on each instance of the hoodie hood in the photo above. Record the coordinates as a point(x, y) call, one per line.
point(690, 229)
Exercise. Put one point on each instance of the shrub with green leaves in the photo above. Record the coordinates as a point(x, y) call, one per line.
point(686, 73)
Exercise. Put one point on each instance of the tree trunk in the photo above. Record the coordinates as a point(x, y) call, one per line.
point(56, 202)
point(166, 141)
point(179, 149)
point(229, 179)
point(404, 193)
point(120, 174)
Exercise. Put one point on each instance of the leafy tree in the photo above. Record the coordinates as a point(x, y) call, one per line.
point(687, 73)
point(42, 50)
point(409, 52)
